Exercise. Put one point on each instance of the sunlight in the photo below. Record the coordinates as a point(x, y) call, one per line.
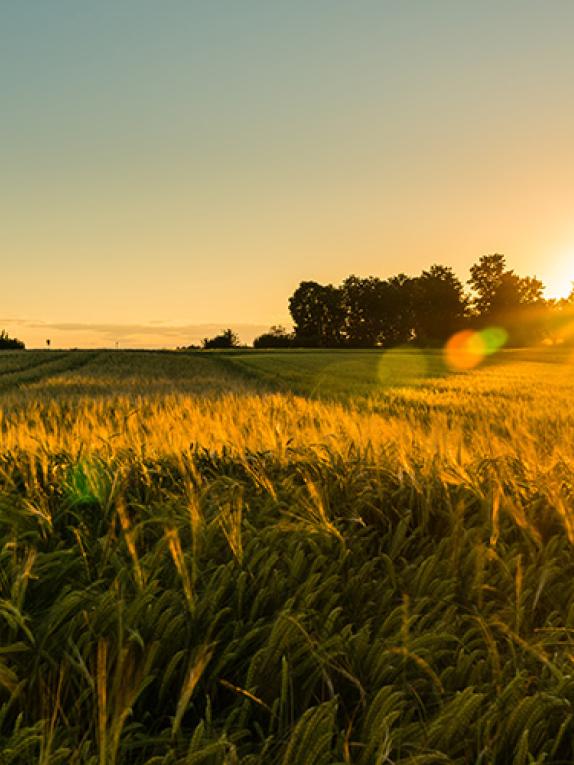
point(402, 366)
point(560, 276)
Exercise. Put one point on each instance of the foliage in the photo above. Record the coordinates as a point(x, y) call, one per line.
point(277, 337)
point(226, 339)
point(365, 306)
point(503, 298)
point(318, 313)
point(485, 278)
point(427, 309)
point(377, 313)
point(439, 305)
point(195, 568)
point(9, 343)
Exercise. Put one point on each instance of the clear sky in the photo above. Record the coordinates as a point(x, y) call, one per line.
point(170, 168)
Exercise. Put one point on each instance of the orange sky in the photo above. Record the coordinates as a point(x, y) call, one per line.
point(173, 169)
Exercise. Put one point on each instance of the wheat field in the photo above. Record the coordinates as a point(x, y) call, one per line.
point(302, 558)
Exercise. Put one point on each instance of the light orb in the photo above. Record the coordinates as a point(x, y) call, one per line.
point(466, 349)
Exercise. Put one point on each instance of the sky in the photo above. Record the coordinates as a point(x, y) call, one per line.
point(172, 168)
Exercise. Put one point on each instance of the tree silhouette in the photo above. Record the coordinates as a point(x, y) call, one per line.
point(226, 339)
point(439, 305)
point(485, 277)
point(503, 298)
point(377, 312)
point(10, 343)
point(368, 312)
point(399, 321)
point(364, 303)
point(277, 337)
point(318, 315)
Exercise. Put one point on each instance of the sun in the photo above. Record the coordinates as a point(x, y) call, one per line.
point(559, 279)
point(559, 288)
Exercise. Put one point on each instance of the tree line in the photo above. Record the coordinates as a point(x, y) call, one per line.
point(9, 343)
point(426, 310)
point(369, 312)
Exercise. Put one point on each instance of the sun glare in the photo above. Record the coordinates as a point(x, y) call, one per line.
point(560, 278)
point(466, 349)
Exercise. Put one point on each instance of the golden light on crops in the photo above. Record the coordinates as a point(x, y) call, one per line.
point(402, 366)
point(466, 349)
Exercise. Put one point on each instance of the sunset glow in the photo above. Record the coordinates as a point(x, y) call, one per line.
point(560, 274)
point(189, 165)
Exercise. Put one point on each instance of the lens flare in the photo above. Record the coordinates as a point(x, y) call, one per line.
point(466, 349)
point(463, 351)
point(494, 339)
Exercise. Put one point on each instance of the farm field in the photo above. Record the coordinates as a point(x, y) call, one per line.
point(292, 557)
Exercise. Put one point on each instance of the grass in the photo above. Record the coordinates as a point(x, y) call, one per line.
point(300, 558)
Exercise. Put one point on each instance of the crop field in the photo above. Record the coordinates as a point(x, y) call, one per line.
point(291, 557)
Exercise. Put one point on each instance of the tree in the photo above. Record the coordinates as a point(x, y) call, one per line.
point(501, 297)
point(277, 337)
point(364, 305)
point(318, 315)
point(377, 312)
point(227, 339)
point(485, 277)
point(439, 305)
point(399, 319)
point(10, 343)
point(499, 291)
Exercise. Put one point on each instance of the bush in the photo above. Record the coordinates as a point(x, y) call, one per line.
point(277, 337)
point(227, 339)
point(10, 343)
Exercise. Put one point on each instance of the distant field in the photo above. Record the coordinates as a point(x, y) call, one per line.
point(340, 374)
point(267, 401)
point(302, 557)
